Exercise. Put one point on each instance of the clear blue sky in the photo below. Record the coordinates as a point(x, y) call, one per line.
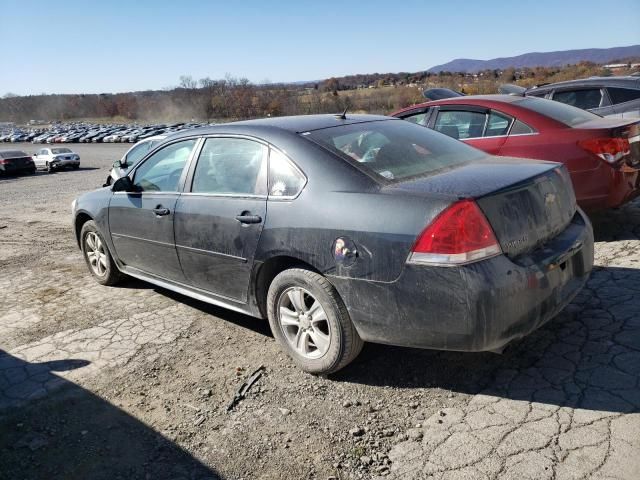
point(88, 46)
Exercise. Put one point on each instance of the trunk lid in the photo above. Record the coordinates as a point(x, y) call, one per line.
point(526, 202)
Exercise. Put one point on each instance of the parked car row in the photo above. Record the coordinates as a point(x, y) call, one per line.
point(92, 133)
point(50, 159)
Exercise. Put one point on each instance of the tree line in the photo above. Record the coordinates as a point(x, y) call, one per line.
point(231, 98)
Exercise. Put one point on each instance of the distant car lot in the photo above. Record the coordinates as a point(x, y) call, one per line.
point(562, 403)
point(81, 132)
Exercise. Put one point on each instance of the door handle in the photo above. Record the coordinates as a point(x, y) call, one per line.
point(160, 211)
point(245, 217)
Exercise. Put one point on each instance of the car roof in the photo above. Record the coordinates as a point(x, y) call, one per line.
point(292, 124)
point(466, 99)
point(621, 81)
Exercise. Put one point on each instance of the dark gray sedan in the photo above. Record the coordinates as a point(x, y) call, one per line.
point(344, 229)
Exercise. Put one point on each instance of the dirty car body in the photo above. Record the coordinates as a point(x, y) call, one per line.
point(351, 208)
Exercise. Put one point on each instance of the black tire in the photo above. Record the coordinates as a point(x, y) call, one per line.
point(344, 345)
point(49, 167)
point(76, 167)
point(111, 274)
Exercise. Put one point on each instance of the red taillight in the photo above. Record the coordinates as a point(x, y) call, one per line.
point(460, 234)
point(611, 150)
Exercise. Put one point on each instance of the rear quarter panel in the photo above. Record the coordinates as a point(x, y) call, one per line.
point(341, 202)
point(590, 177)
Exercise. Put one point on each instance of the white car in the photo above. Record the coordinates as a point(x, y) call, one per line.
point(56, 158)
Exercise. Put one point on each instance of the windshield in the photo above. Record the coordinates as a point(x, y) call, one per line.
point(60, 150)
point(570, 116)
point(395, 150)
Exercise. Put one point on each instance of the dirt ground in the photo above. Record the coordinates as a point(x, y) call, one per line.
point(133, 382)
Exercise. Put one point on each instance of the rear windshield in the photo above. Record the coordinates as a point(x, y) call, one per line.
point(60, 150)
point(12, 154)
point(393, 149)
point(570, 116)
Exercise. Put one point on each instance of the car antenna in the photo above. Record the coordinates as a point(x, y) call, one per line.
point(343, 115)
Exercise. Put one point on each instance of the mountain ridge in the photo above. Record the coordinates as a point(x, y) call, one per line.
point(539, 59)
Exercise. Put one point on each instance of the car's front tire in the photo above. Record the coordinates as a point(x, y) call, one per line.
point(97, 256)
point(309, 319)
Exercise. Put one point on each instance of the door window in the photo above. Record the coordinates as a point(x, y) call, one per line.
point(460, 124)
point(285, 180)
point(585, 98)
point(497, 125)
point(161, 171)
point(231, 166)
point(418, 118)
point(137, 153)
point(621, 95)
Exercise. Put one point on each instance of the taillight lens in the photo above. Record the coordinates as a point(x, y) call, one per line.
point(460, 234)
point(609, 149)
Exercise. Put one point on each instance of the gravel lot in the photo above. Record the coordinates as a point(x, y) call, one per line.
point(133, 382)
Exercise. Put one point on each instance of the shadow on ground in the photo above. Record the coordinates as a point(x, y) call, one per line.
point(587, 357)
point(617, 223)
point(70, 433)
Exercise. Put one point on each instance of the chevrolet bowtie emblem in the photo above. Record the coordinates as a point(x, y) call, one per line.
point(549, 198)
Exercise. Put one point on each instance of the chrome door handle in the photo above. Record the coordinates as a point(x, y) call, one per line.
point(160, 212)
point(249, 218)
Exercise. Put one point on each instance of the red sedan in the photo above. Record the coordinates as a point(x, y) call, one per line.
point(601, 154)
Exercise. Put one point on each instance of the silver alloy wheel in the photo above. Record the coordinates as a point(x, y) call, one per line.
point(96, 255)
point(304, 322)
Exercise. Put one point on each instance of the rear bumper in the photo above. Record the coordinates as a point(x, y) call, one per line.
point(476, 307)
point(65, 163)
point(12, 168)
point(625, 186)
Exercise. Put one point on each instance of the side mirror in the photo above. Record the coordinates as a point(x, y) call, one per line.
point(124, 184)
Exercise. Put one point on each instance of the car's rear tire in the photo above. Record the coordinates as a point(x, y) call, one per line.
point(310, 321)
point(96, 255)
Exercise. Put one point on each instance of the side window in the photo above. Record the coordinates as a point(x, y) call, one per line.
point(284, 179)
point(230, 166)
point(460, 124)
point(621, 95)
point(497, 125)
point(161, 171)
point(585, 98)
point(521, 128)
point(418, 118)
point(137, 153)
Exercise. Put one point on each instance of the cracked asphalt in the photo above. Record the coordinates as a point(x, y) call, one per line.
point(134, 381)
